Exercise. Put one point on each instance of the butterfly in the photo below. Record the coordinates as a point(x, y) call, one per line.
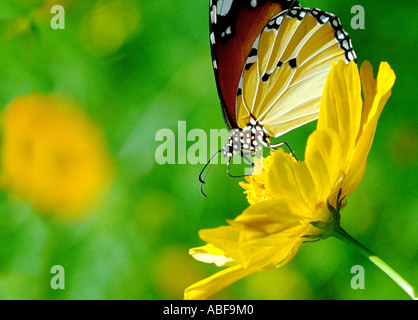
point(270, 60)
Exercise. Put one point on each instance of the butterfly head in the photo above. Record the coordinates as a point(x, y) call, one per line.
point(243, 141)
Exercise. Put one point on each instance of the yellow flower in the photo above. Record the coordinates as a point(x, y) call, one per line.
point(293, 202)
point(52, 155)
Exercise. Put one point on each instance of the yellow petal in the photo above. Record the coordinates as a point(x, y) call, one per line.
point(216, 282)
point(211, 254)
point(310, 181)
point(341, 104)
point(282, 179)
point(324, 159)
point(209, 286)
point(262, 235)
point(261, 254)
point(277, 211)
point(371, 113)
point(368, 83)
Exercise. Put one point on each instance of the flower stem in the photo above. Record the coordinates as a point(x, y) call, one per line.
point(344, 236)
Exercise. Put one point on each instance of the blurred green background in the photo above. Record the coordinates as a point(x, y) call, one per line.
point(140, 66)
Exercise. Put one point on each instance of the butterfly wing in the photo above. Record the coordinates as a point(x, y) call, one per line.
point(234, 26)
point(284, 75)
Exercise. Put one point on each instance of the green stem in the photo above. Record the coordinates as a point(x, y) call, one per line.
point(344, 236)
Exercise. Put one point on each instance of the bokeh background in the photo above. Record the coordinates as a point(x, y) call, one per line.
point(135, 67)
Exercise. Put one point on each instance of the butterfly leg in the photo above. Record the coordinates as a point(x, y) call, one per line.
point(244, 156)
point(228, 171)
point(275, 146)
point(205, 173)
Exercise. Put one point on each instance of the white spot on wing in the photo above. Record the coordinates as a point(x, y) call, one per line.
point(323, 19)
point(345, 45)
point(340, 35)
point(212, 38)
point(213, 16)
point(251, 59)
point(224, 7)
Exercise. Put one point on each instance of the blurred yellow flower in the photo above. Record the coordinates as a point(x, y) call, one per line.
point(53, 156)
point(293, 202)
point(110, 25)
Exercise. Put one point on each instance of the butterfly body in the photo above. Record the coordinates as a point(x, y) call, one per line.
point(250, 139)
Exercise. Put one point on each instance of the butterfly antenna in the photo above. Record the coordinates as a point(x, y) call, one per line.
point(292, 4)
point(207, 165)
